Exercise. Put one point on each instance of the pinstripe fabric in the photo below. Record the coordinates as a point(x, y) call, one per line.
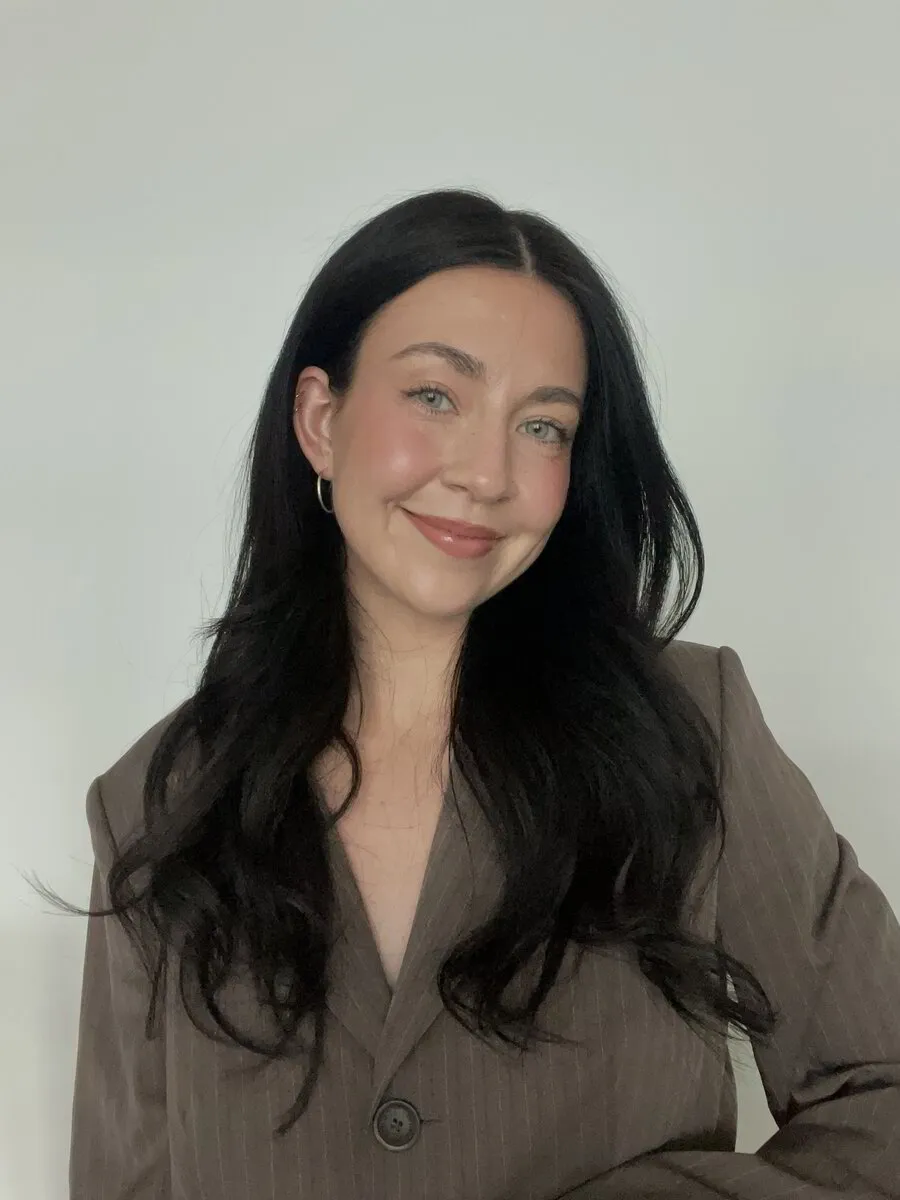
point(639, 1107)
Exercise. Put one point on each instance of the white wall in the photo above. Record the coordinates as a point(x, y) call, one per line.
point(172, 174)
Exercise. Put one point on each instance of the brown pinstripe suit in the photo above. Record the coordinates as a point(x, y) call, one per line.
point(641, 1108)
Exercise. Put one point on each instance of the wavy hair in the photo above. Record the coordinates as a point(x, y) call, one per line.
point(586, 755)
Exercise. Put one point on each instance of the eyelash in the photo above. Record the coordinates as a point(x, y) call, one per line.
point(565, 437)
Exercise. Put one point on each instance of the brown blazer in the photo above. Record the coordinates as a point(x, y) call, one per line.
point(411, 1107)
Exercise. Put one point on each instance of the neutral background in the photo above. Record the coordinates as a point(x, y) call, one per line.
point(172, 175)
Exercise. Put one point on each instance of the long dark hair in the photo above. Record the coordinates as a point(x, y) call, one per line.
point(583, 753)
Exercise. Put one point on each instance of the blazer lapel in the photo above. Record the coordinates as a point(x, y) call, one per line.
point(463, 880)
point(358, 991)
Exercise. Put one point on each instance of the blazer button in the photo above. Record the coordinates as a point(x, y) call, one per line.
point(396, 1124)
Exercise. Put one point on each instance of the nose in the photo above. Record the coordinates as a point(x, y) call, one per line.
point(480, 462)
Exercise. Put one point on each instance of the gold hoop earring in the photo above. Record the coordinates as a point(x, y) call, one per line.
point(319, 483)
point(319, 494)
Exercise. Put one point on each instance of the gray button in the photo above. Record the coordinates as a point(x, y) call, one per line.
point(396, 1124)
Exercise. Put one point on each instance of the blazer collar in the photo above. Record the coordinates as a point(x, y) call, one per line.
point(462, 883)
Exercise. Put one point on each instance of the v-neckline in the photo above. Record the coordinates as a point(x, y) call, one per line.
point(355, 912)
point(463, 880)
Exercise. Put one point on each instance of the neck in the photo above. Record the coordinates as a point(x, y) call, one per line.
point(405, 667)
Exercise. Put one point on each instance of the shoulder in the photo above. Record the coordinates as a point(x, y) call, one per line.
point(718, 681)
point(115, 806)
point(773, 815)
point(116, 796)
point(698, 667)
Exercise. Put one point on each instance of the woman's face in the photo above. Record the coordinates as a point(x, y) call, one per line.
point(480, 433)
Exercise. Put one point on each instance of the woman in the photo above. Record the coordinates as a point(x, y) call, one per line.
point(435, 885)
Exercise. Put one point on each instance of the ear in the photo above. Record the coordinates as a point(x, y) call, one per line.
point(314, 406)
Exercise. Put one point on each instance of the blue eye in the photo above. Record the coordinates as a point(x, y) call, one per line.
point(417, 394)
point(563, 437)
point(420, 396)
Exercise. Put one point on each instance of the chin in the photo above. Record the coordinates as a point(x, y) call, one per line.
point(441, 608)
point(440, 603)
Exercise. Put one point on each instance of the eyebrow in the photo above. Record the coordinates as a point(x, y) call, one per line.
point(472, 367)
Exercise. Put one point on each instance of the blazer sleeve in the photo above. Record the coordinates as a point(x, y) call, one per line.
point(119, 1147)
point(796, 907)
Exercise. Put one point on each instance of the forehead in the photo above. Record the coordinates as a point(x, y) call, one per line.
point(518, 325)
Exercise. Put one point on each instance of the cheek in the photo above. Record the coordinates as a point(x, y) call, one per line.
point(389, 451)
point(546, 492)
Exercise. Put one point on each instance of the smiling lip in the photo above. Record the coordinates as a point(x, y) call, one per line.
point(460, 529)
point(446, 536)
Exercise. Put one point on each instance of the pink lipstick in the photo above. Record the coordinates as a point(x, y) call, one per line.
point(459, 539)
